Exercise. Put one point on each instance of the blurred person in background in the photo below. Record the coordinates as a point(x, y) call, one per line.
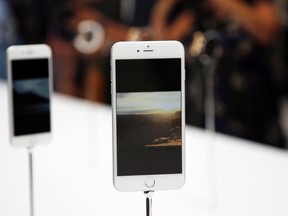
point(247, 88)
point(31, 19)
point(8, 35)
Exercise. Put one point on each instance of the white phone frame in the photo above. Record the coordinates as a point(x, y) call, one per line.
point(143, 50)
point(26, 52)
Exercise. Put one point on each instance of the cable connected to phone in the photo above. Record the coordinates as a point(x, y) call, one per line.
point(148, 195)
point(31, 182)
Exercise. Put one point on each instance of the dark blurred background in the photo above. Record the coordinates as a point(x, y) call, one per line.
point(236, 64)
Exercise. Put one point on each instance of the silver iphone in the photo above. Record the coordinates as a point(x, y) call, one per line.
point(29, 89)
point(148, 115)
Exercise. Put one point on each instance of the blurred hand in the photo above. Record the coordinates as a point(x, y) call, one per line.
point(222, 9)
point(179, 27)
point(260, 19)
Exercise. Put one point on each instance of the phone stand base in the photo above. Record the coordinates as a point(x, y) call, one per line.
point(148, 195)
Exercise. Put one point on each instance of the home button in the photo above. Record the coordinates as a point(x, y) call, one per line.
point(150, 183)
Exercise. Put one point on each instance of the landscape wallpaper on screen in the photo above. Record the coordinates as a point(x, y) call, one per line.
point(149, 133)
point(31, 106)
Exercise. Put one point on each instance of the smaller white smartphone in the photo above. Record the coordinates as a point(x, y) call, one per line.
point(148, 115)
point(29, 69)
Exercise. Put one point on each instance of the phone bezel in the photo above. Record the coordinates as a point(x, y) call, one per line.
point(147, 50)
point(28, 52)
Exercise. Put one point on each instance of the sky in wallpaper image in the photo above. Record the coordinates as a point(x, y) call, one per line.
point(38, 86)
point(148, 102)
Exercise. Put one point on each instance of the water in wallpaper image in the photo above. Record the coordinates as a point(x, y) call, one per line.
point(149, 137)
point(31, 106)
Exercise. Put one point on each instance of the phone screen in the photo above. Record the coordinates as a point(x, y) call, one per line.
point(148, 109)
point(31, 101)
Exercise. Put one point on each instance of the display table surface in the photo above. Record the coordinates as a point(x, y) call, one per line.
point(73, 173)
